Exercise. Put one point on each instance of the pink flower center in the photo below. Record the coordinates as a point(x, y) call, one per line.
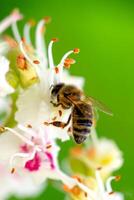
point(34, 164)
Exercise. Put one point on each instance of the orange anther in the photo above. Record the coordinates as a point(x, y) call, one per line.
point(117, 178)
point(54, 39)
point(36, 62)
point(76, 50)
point(47, 19)
point(56, 70)
point(12, 170)
point(31, 22)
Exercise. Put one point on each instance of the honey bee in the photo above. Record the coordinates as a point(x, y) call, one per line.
point(82, 115)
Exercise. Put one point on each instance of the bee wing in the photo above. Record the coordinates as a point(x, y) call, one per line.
point(99, 105)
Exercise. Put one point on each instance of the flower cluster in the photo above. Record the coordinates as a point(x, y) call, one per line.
point(28, 146)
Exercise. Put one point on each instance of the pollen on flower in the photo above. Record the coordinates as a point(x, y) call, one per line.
point(11, 42)
point(68, 62)
point(36, 62)
point(76, 50)
point(77, 178)
point(21, 62)
point(75, 190)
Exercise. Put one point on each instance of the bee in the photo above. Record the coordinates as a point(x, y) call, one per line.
point(82, 115)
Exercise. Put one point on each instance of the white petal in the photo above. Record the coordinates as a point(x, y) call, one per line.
point(5, 88)
point(9, 145)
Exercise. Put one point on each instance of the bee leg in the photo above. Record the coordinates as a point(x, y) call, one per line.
point(61, 124)
point(55, 104)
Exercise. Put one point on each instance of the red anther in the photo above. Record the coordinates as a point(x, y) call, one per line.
point(117, 178)
point(99, 168)
point(47, 19)
point(54, 39)
point(70, 61)
point(36, 62)
point(12, 170)
point(67, 66)
point(48, 146)
point(29, 126)
point(76, 50)
point(31, 22)
point(110, 193)
point(56, 70)
point(23, 39)
point(60, 113)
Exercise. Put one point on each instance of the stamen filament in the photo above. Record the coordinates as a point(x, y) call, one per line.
point(108, 184)
point(51, 62)
point(16, 32)
point(27, 130)
point(61, 64)
point(29, 60)
point(30, 156)
point(71, 182)
point(24, 139)
point(27, 28)
point(40, 43)
point(15, 16)
point(100, 184)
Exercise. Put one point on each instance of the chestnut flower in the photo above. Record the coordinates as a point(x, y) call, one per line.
point(100, 152)
point(100, 190)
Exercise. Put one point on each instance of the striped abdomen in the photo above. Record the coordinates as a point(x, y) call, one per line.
point(82, 120)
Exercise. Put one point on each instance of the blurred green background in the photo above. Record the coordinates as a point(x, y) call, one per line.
point(104, 31)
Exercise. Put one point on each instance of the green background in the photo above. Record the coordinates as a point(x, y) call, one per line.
point(104, 31)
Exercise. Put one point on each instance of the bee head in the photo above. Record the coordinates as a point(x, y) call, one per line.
point(55, 90)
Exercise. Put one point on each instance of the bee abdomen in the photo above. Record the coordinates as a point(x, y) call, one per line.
point(84, 122)
point(81, 131)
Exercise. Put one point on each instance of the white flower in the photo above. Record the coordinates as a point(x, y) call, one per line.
point(101, 152)
point(21, 186)
point(106, 154)
point(5, 88)
point(94, 189)
point(32, 155)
